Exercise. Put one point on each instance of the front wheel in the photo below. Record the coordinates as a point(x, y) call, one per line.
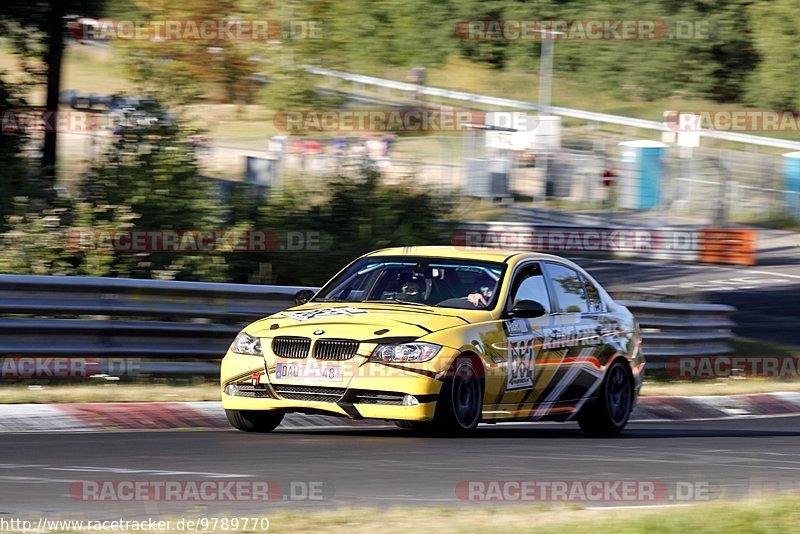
point(254, 420)
point(609, 413)
point(460, 403)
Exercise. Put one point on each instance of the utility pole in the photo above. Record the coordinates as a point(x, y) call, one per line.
point(545, 90)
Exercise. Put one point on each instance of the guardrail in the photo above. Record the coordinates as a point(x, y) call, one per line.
point(184, 328)
point(156, 321)
point(589, 116)
point(672, 330)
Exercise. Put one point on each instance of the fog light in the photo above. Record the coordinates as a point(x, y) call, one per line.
point(410, 400)
point(232, 390)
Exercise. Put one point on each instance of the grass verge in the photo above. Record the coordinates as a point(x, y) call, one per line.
point(774, 515)
point(768, 515)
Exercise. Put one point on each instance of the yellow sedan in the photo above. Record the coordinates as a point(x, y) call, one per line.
point(442, 339)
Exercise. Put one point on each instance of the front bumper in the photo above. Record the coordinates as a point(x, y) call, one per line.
point(370, 393)
point(420, 412)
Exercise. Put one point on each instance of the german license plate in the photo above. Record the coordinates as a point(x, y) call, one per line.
point(309, 371)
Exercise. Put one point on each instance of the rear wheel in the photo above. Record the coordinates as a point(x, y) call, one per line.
point(609, 413)
point(254, 420)
point(460, 402)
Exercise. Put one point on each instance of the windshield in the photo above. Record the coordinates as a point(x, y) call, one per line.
point(422, 281)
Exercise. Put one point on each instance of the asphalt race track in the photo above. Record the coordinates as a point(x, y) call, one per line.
point(387, 466)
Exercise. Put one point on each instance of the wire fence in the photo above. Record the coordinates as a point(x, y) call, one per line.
point(702, 184)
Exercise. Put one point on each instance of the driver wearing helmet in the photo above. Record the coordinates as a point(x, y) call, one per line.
point(410, 288)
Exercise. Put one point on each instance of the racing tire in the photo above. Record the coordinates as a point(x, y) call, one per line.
point(460, 403)
point(608, 414)
point(254, 420)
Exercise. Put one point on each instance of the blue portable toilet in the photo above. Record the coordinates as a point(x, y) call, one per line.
point(791, 183)
point(642, 178)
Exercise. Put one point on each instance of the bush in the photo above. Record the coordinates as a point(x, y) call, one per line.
point(356, 215)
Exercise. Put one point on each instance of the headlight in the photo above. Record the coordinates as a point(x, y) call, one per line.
point(406, 352)
point(246, 344)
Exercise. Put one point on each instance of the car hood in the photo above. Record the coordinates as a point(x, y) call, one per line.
point(363, 321)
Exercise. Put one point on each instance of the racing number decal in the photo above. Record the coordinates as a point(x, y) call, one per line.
point(521, 360)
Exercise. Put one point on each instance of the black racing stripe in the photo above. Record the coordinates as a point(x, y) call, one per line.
point(527, 397)
point(514, 254)
point(554, 382)
point(428, 330)
point(502, 393)
point(578, 388)
point(350, 410)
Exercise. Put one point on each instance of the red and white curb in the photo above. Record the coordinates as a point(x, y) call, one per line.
point(115, 416)
point(717, 406)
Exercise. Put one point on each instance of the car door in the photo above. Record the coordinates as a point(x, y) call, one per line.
point(528, 368)
point(575, 335)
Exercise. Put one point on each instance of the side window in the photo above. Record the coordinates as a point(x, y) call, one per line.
point(568, 287)
point(530, 284)
point(593, 296)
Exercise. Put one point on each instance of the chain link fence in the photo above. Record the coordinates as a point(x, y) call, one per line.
point(707, 185)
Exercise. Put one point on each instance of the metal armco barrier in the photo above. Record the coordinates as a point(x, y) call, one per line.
point(732, 247)
point(156, 321)
point(184, 328)
point(671, 330)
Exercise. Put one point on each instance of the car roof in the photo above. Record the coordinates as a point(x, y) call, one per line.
point(466, 253)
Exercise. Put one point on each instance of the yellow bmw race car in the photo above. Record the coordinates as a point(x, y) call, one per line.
point(442, 338)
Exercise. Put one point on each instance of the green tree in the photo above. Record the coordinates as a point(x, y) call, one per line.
point(15, 178)
point(182, 71)
point(355, 216)
point(776, 82)
point(151, 178)
point(37, 29)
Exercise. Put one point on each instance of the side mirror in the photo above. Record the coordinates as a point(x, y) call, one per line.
point(303, 296)
point(527, 309)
